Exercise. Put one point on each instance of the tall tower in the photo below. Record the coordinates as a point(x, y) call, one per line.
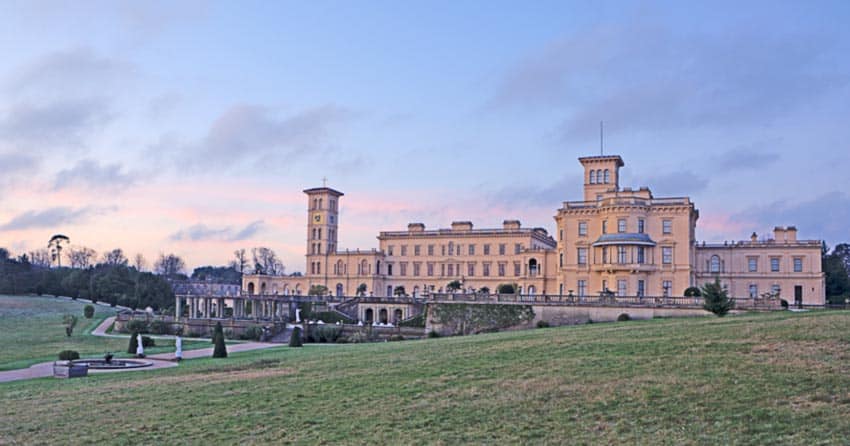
point(322, 222)
point(601, 173)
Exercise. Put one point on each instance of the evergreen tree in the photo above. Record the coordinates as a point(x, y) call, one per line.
point(220, 350)
point(134, 343)
point(295, 338)
point(716, 299)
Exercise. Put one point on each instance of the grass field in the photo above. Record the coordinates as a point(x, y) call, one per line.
point(31, 331)
point(777, 378)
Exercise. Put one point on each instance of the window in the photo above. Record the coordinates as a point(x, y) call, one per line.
point(443, 270)
point(798, 265)
point(754, 290)
point(667, 255)
point(592, 176)
point(604, 226)
point(402, 268)
point(430, 269)
point(416, 250)
point(621, 225)
point(416, 267)
point(582, 256)
point(430, 250)
point(501, 269)
point(622, 287)
point(561, 259)
point(486, 269)
point(404, 250)
point(389, 269)
point(451, 270)
point(472, 250)
point(561, 237)
point(451, 248)
point(604, 254)
point(582, 228)
point(641, 225)
point(774, 264)
point(582, 288)
point(459, 249)
point(667, 226)
point(443, 250)
point(390, 250)
point(607, 176)
point(641, 254)
point(517, 248)
point(621, 255)
point(753, 264)
point(517, 269)
point(486, 249)
point(641, 288)
point(666, 285)
point(470, 269)
point(714, 264)
point(501, 249)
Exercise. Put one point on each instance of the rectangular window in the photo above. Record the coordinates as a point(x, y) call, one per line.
point(430, 269)
point(459, 249)
point(416, 250)
point(561, 237)
point(666, 286)
point(641, 224)
point(622, 288)
point(753, 264)
point(416, 267)
point(561, 260)
point(501, 269)
point(667, 255)
point(402, 268)
point(621, 225)
point(582, 228)
point(641, 254)
point(389, 269)
point(430, 250)
point(517, 269)
point(501, 249)
point(471, 250)
point(622, 258)
point(667, 226)
point(486, 249)
point(470, 269)
point(774, 264)
point(517, 248)
point(486, 269)
point(582, 256)
point(582, 288)
point(451, 248)
point(443, 270)
point(404, 250)
point(798, 265)
point(641, 288)
point(754, 290)
point(604, 254)
point(604, 226)
point(442, 250)
point(451, 270)
point(390, 250)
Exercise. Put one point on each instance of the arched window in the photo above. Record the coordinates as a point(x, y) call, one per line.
point(250, 288)
point(607, 176)
point(592, 176)
point(714, 265)
point(339, 289)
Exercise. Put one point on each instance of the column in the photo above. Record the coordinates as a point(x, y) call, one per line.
point(177, 308)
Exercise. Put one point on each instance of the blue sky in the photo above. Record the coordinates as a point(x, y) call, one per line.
point(193, 127)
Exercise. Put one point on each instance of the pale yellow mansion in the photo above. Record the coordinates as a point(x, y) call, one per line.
point(619, 240)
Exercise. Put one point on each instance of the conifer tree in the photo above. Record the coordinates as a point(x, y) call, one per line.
point(716, 300)
point(295, 338)
point(134, 343)
point(220, 350)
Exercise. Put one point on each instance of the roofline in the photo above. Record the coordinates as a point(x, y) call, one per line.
point(617, 158)
point(323, 189)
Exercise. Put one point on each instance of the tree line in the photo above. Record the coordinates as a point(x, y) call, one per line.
point(836, 267)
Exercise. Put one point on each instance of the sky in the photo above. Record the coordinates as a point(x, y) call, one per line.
point(192, 127)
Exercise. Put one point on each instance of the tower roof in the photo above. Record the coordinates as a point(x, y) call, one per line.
point(602, 158)
point(328, 190)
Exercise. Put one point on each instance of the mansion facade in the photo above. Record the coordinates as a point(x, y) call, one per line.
point(615, 240)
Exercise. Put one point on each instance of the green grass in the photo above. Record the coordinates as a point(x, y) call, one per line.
point(778, 378)
point(31, 332)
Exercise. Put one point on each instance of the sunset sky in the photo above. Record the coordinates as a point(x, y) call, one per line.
point(192, 128)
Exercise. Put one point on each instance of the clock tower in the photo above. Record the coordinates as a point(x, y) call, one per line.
point(322, 223)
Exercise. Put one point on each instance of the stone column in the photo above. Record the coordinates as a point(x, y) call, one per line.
point(177, 308)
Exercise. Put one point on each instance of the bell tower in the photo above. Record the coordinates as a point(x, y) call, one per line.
point(601, 174)
point(322, 223)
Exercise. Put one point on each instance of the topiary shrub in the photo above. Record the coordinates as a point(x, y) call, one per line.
point(623, 317)
point(88, 311)
point(68, 355)
point(542, 324)
point(252, 333)
point(693, 292)
point(220, 349)
point(433, 334)
point(326, 333)
point(784, 304)
point(295, 338)
point(134, 343)
point(148, 341)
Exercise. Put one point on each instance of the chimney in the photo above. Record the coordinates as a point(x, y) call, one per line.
point(416, 227)
point(511, 224)
point(461, 226)
point(779, 234)
point(791, 233)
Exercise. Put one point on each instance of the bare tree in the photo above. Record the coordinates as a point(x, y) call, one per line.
point(241, 261)
point(80, 256)
point(40, 257)
point(169, 265)
point(115, 257)
point(266, 262)
point(139, 262)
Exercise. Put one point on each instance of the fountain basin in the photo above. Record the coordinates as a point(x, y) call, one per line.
point(115, 364)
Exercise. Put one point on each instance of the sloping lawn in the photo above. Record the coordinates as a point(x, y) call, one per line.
point(777, 378)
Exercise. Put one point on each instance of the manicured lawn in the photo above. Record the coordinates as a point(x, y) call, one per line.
point(777, 378)
point(31, 331)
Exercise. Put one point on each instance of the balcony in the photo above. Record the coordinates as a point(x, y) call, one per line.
point(632, 267)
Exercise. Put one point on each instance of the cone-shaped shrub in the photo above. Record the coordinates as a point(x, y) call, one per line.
point(295, 338)
point(134, 342)
point(220, 350)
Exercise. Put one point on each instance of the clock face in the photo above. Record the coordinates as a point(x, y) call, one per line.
point(317, 218)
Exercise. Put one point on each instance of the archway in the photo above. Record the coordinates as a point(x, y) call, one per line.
point(382, 316)
point(369, 315)
point(532, 267)
point(339, 289)
point(398, 315)
point(250, 288)
point(263, 288)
